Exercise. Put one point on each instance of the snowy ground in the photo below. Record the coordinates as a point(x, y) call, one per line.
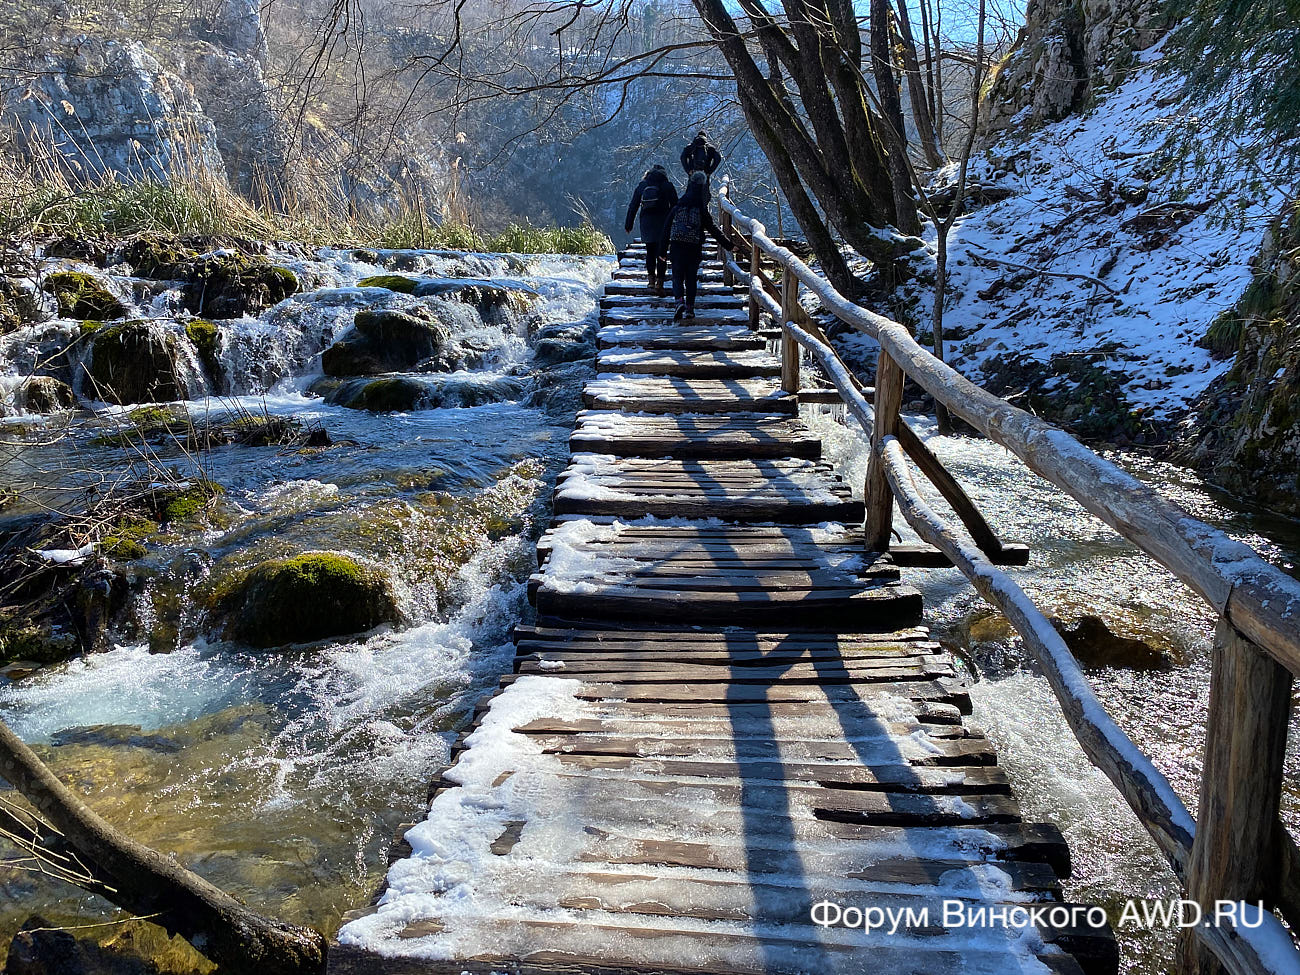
point(1167, 233)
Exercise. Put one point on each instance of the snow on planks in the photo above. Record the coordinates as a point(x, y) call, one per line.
point(716, 722)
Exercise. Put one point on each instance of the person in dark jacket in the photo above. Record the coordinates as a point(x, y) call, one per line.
point(686, 226)
point(701, 156)
point(655, 197)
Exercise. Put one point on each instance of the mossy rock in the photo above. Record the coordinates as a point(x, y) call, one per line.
point(384, 341)
point(494, 303)
point(206, 339)
point(395, 394)
point(170, 505)
point(231, 285)
point(125, 540)
point(393, 282)
point(22, 640)
point(82, 295)
point(134, 362)
point(45, 394)
point(310, 597)
point(158, 257)
point(1094, 645)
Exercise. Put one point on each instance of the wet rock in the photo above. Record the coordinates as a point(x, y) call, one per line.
point(231, 285)
point(1094, 645)
point(392, 282)
point(41, 949)
point(401, 394)
point(134, 362)
point(88, 250)
point(45, 394)
point(34, 643)
point(303, 599)
point(384, 341)
point(494, 303)
point(206, 339)
point(184, 502)
point(81, 295)
point(116, 736)
point(551, 351)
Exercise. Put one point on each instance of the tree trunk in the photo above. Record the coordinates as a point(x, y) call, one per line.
point(936, 317)
point(916, 89)
point(882, 63)
point(151, 884)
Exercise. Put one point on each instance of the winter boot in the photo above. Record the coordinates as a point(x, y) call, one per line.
point(690, 312)
point(681, 311)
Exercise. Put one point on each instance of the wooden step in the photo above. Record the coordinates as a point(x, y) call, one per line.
point(675, 394)
point(790, 491)
point(744, 364)
point(618, 572)
point(700, 336)
point(725, 436)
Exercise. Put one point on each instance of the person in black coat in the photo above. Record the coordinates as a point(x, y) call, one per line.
point(655, 197)
point(686, 226)
point(701, 156)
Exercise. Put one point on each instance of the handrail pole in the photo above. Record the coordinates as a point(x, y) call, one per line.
point(755, 265)
point(789, 347)
point(728, 277)
point(877, 493)
point(1236, 854)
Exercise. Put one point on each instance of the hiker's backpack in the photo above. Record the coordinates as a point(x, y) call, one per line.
point(697, 158)
point(687, 226)
point(652, 201)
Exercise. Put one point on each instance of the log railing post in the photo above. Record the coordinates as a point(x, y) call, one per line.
point(877, 494)
point(728, 275)
point(755, 265)
point(1236, 854)
point(789, 347)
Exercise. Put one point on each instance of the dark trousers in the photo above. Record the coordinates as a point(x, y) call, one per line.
point(686, 259)
point(656, 260)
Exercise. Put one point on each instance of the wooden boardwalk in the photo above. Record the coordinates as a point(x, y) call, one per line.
point(724, 714)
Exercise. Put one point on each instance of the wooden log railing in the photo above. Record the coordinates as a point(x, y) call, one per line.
point(1237, 852)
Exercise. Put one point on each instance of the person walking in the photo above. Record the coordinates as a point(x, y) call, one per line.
point(686, 226)
point(701, 156)
point(655, 197)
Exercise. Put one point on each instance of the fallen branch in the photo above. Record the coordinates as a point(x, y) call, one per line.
point(987, 259)
point(100, 858)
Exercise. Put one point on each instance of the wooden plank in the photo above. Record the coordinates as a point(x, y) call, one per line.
point(692, 365)
point(675, 394)
point(721, 437)
point(689, 339)
point(948, 692)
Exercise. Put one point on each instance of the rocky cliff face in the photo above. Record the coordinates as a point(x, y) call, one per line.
point(110, 102)
point(1067, 51)
point(1248, 435)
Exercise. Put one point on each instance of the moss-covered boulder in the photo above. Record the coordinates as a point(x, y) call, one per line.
point(135, 362)
point(231, 285)
point(392, 282)
point(155, 256)
point(1094, 645)
point(184, 502)
point(303, 599)
point(392, 394)
point(384, 341)
point(82, 295)
point(45, 394)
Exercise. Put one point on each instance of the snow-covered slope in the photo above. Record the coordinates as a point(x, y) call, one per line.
point(1126, 232)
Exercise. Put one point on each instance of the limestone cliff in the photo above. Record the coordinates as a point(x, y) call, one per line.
point(1248, 435)
point(1068, 51)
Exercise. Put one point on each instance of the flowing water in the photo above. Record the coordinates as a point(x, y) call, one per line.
point(282, 776)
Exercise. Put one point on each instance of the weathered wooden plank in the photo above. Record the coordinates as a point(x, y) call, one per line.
point(725, 436)
point(676, 394)
point(948, 692)
point(743, 364)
